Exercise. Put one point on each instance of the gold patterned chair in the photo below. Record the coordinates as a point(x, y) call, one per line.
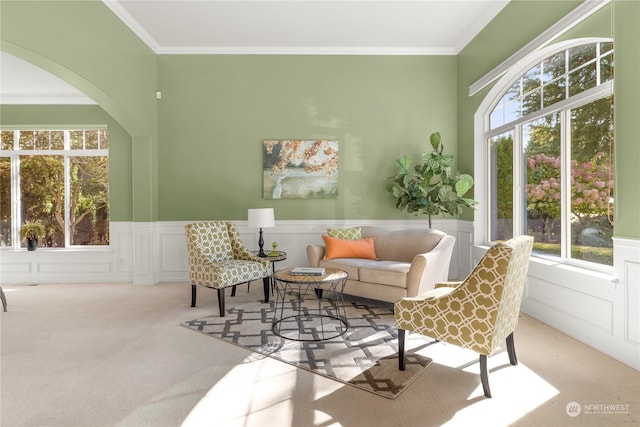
point(218, 259)
point(477, 313)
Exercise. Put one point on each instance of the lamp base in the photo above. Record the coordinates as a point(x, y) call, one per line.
point(261, 253)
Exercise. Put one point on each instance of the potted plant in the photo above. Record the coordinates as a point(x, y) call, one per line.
point(32, 231)
point(430, 188)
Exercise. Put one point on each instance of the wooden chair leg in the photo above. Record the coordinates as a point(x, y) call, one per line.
point(193, 295)
point(401, 333)
point(484, 375)
point(233, 291)
point(511, 349)
point(4, 299)
point(266, 283)
point(221, 301)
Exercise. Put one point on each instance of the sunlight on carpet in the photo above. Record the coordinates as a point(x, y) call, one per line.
point(516, 390)
point(259, 391)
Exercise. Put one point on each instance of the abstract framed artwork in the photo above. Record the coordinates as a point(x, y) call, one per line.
point(300, 169)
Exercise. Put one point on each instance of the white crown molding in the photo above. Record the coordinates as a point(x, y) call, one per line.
point(303, 50)
point(133, 24)
point(573, 18)
point(480, 23)
point(45, 99)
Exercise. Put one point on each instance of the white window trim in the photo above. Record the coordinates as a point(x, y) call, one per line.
point(481, 133)
point(66, 153)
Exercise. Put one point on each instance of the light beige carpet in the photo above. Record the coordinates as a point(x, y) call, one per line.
point(101, 355)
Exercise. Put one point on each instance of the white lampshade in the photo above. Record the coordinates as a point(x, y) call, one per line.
point(261, 218)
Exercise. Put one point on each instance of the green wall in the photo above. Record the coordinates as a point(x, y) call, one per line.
point(216, 110)
point(491, 47)
point(627, 114)
point(516, 25)
point(196, 154)
point(57, 116)
point(85, 44)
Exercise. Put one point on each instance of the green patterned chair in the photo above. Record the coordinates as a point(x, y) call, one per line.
point(218, 259)
point(478, 313)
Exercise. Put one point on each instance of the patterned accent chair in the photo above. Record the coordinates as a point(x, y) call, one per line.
point(477, 313)
point(218, 259)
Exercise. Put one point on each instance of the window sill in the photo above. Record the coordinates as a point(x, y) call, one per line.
point(101, 249)
point(604, 272)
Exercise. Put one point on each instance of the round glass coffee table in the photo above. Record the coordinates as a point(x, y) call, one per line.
point(309, 308)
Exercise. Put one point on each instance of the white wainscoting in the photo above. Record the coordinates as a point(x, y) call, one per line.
point(147, 253)
point(598, 309)
point(293, 238)
point(113, 263)
point(601, 310)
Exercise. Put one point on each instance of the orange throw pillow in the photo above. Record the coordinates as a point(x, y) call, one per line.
point(342, 248)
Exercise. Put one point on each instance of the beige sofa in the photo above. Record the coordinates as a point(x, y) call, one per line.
point(410, 262)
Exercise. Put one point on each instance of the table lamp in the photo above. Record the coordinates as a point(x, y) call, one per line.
point(261, 218)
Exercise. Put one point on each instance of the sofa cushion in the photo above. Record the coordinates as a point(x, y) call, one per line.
point(403, 245)
point(350, 265)
point(341, 248)
point(391, 273)
point(354, 233)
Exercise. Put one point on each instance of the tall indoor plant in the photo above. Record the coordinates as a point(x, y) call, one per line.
point(431, 188)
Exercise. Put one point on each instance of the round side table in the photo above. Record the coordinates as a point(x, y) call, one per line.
point(309, 322)
point(273, 256)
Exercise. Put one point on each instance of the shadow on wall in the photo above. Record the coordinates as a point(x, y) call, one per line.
point(352, 188)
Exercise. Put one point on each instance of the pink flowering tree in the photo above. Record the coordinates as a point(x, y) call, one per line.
point(543, 191)
point(591, 186)
point(313, 156)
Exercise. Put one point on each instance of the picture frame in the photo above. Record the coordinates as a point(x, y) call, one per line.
point(300, 169)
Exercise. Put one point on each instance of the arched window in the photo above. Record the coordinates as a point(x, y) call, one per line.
point(548, 152)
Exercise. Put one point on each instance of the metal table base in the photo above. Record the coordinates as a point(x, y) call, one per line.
point(322, 320)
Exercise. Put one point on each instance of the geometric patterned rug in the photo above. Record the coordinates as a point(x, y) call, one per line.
point(366, 356)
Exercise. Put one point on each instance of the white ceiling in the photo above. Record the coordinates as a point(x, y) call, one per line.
point(23, 83)
point(383, 27)
point(307, 26)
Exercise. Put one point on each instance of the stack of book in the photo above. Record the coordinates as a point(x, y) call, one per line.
point(307, 271)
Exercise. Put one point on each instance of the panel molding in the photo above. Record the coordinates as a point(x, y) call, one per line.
point(573, 301)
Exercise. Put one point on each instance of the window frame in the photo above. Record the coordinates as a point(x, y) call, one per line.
point(482, 148)
point(66, 153)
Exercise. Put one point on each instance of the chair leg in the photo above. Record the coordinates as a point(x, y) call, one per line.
point(484, 375)
point(401, 333)
point(193, 295)
point(511, 349)
point(221, 301)
point(266, 283)
point(4, 299)
point(233, 291)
